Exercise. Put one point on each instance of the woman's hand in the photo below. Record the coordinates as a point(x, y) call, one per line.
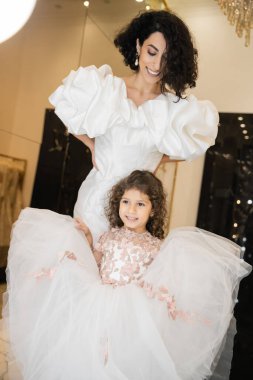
point(93, 157)
point(90, 143)
point(165, 159)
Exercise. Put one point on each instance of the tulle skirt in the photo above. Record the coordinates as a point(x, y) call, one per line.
point(64, 323)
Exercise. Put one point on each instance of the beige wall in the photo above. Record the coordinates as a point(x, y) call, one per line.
point(33, 62)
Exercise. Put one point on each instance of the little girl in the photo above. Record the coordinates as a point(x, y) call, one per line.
point(136, 210)
point(152, 308)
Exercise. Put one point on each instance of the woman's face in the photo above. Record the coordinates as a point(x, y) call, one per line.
point(151, 57)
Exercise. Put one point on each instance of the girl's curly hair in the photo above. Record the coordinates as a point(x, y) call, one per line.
point(147, 183)
point(180, 68)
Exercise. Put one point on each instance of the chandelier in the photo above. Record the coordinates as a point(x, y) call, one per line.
point(240, 14)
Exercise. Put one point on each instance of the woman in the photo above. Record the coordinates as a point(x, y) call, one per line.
point(138, 121)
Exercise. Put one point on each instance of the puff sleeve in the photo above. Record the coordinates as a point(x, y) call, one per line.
point(87, 101)
point(184, 129)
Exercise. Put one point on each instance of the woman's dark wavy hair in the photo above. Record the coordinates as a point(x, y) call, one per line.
point(180, 68)
point(147, 183)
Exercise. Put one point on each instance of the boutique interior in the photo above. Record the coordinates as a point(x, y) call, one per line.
point(43, 166)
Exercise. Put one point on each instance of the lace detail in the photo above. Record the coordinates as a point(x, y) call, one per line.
point(126, 255)
point(50, 272)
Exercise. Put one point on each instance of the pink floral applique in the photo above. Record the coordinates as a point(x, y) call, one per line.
point(162, 294)
point(50, 272)
point(126, 255)
point(67, 254)
point(45, 272)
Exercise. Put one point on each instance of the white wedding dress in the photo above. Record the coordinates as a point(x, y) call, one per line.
point(149, 313)
point(94, 102)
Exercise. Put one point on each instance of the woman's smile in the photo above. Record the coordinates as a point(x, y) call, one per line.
point(152, 73)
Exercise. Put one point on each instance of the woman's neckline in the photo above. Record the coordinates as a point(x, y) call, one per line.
point(132, 101)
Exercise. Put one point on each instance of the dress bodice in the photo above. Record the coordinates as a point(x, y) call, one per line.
point(94, 102)
point(125, 255)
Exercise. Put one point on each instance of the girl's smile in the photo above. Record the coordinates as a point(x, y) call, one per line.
point(135, 209)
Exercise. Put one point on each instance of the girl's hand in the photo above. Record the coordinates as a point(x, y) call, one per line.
point(80, 225)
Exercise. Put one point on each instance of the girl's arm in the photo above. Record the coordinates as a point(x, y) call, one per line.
point(90, 143)
point(80, 225)
point(83, 227)
point(98, 257)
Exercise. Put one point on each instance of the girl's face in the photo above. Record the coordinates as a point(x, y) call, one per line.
point(134, 210)
point(151, 57)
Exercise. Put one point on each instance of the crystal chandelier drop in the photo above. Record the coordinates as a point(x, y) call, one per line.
point(240, 14)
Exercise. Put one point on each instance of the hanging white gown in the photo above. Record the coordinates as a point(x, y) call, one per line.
point(167, 319)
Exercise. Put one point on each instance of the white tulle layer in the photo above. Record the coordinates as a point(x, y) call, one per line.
point(65, 324)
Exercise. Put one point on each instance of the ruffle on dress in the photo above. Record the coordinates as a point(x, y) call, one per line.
point(88, 101)
point(92, 100)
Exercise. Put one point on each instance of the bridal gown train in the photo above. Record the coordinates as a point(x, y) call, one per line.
point(169, 316)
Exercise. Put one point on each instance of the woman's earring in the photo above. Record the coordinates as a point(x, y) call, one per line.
point(136, 60)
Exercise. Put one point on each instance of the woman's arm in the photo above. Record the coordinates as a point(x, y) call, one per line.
point(165, 159)
point(168, 159)
point(90, 143)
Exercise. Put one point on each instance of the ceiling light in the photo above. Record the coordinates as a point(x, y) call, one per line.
point(13, 16)
point(86, 3)
point(245, 131)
